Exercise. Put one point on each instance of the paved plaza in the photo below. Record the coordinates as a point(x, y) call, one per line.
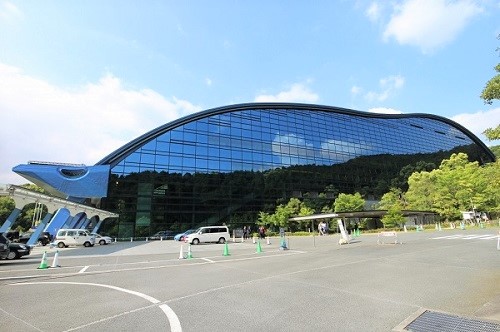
point(315, 285)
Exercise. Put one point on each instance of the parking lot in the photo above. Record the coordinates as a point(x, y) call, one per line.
point(315, 285)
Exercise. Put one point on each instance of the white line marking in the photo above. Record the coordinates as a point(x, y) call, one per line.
point(447, 237)
point(467, 237)
point(489, 237)
point(84, 269)
point(173, 320)
point(470, 237)
point(195, 261)
point(207, 260)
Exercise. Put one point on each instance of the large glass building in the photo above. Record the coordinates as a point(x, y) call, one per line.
point(225, 165)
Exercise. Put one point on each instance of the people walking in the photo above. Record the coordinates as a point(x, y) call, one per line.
point(262, 232)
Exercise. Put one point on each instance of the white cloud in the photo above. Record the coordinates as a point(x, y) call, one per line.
point(292, 149)
point(9, 12)
point(373, 12)
point(208, 81)
point(44, 122)
point(384, 110)
point(388, 86)
point(297, 93)
point(479, 122)
point(356, 90)
point(430, 24)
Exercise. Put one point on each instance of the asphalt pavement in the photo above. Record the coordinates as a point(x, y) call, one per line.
point(314, 285)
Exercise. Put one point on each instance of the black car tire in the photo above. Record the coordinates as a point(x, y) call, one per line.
point(102, 242)
point(60, 245)
point(196, 241)
point(87, 244)
point(11, 255)
point(222, 240)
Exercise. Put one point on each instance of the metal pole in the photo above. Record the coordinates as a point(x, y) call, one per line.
point(314, 237)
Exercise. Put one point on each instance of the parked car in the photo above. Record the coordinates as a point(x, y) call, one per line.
point(181, 236)
point(12, 236)
point(4, 246)
point(162, 235)
point(44, 238)
point(219, 234)
point(73, 237)
point(102, 240)
point(18, 250)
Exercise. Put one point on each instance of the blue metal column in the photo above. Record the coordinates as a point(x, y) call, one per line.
point(77, 220)
point(70, 222)
point(40, 228)
point(57, 221)
point(85, 223)
point(96, 228)
point(10, 220)
point(80, 219)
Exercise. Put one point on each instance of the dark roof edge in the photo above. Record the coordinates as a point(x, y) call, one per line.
point(116, 156)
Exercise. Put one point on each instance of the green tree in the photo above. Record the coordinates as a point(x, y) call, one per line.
point(394, 217)
point(496, 150)
point(454, 187)
point(283, 213)
point(6, 206)
point(490, 182)
point(490, 92)
point(421, 191)
point(492, 133)
point(457, 187)
point(492, 89)
point(391, 198)
point(33, 187)
point(401, 181)
point(394, 202)
point(348, 202)
point(264, 219)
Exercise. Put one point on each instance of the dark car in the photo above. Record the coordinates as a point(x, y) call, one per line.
point(18, 250)
point(44, 238)
point(12, 236)
point(163, 235)
point(4, 246)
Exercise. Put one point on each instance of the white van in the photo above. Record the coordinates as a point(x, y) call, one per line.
point(66, 237)
point(219, 234)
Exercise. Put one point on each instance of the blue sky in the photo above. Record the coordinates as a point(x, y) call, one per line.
point(78, 79)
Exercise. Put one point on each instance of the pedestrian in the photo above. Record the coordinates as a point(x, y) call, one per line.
point(262, 232)
point(321, 229)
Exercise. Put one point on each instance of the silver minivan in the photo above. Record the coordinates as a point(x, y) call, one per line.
point(218, 234)
point(66, 237)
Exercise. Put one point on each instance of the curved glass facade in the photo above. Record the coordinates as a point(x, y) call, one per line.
point(227, 164)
